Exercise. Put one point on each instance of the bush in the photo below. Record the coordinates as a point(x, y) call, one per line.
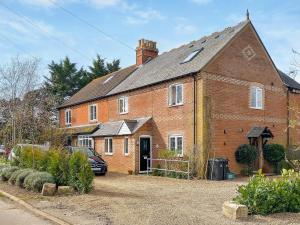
point(6, 172)
point(274, 153)
point(36, 180)
point(58, 166)
point(14, 175)
point(265, 196)
point(21, 177)
point(81, 175)
point(246, 154)
point(33, 157)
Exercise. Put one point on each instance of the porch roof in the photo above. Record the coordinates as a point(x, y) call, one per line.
point(121, 127)
point(80, 129)
point(256, 132)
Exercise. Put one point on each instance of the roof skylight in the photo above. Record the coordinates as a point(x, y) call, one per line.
point(192, 55)
point(108, 79)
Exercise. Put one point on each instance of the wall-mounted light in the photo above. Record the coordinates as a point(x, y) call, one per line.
point(241, 130)
point(225, 132)
point(224, 143)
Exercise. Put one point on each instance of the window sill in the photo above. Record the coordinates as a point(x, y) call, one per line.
point(256, 108)
point(108, 153)
point(126, 154)
point(68, 125)
point(181, 104)
point(93, 121)
point(122, 113)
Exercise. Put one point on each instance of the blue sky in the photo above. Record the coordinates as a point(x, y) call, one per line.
point(41, 28)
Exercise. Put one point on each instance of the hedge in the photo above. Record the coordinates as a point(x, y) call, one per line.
point(36, 180)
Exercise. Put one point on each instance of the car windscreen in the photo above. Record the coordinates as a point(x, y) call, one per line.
point(87, 151)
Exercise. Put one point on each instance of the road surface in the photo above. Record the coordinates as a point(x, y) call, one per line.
point(13, 214)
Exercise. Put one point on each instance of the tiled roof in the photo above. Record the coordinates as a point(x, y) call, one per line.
point(288, 81)
point(80, 129)
point(169, 64)
point(99, 87)
point(256, 132)
point(113, 128)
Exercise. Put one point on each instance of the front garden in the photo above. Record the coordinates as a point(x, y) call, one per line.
point(32, 167)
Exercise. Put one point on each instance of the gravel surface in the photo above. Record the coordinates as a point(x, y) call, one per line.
point(134, 200)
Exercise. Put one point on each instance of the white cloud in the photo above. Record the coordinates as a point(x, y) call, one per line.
point(143, 17)
point(183, 26)
point(40, 3)
point(201, 2)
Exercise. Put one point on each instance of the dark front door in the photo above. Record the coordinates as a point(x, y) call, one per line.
point(144, 152)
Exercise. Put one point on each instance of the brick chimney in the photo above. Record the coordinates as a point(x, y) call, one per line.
point(145, 51)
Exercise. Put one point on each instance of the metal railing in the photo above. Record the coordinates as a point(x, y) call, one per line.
point(166, 163)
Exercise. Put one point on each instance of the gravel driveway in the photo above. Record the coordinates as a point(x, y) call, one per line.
point(141, 200)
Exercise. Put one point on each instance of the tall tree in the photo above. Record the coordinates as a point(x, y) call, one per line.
point(65, 78)
point(16, 79)
point(295, 64)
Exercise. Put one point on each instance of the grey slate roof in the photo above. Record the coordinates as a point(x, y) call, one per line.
point(113, 128)
point(258, 131)
point(288, 81)
point(98, 87)
point(169, 64)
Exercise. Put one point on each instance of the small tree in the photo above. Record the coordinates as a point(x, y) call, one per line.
point(274, 153)
point(246, 154)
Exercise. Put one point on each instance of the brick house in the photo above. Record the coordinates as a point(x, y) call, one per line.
point(201, 98)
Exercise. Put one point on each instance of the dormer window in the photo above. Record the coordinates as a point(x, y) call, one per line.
point(68, 117)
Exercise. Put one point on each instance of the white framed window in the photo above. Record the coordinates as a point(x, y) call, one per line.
point(175, 94)
point(68, 117)
point(256, 97)
point(93, 112)
point(123, 105)
point(85, 141)
point(176, 144)
point(126, 149)
point(108, 146)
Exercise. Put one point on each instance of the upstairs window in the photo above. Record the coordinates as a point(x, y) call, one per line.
point(176, 94)
point(176, 144)
point(108, 146)
point(256, 97)
point(68, 117)
point(93, 112)
point(123, 105)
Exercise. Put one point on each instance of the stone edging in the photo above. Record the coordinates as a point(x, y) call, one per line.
point(35, 210)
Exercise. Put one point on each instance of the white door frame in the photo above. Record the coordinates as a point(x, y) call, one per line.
point(144, 136)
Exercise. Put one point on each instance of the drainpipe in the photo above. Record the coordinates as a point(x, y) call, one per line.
point(195, 119)
point(288, 118)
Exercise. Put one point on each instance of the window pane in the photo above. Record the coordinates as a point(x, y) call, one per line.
point(179, 145)
point(106, 145)
point(126, 145)
point(110, 145)
point(172, 143)
point(179, 94)
point(126, 105)
point(259, 98)
point(173, 94)
point(253, 97)
point(121, 103)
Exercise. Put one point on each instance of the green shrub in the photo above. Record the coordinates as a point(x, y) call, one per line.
point(246, 154)
point(33, 157)
point(6, 172)
point(167, 154)
point(36, 180)
point(80, 175)
point(58, 166)
point(14, 175)
point(248, 171)
point(21, 177)
point(265, 196)
point(274, 153)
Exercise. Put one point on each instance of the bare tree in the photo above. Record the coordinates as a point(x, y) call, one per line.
point(295, 64)
point(17, 78)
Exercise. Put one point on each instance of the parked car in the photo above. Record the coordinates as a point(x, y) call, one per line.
point(12, 153)
point(2, 150)
point(98, 165)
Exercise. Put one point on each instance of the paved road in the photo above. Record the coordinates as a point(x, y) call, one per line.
point(13, 214)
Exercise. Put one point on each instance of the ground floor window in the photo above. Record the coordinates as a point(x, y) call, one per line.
point(126, 150)
point(85, 141)
point(176, 144)
point(108, 146)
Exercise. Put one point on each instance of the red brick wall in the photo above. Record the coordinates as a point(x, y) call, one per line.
point(228, 80)
point(294, 112)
